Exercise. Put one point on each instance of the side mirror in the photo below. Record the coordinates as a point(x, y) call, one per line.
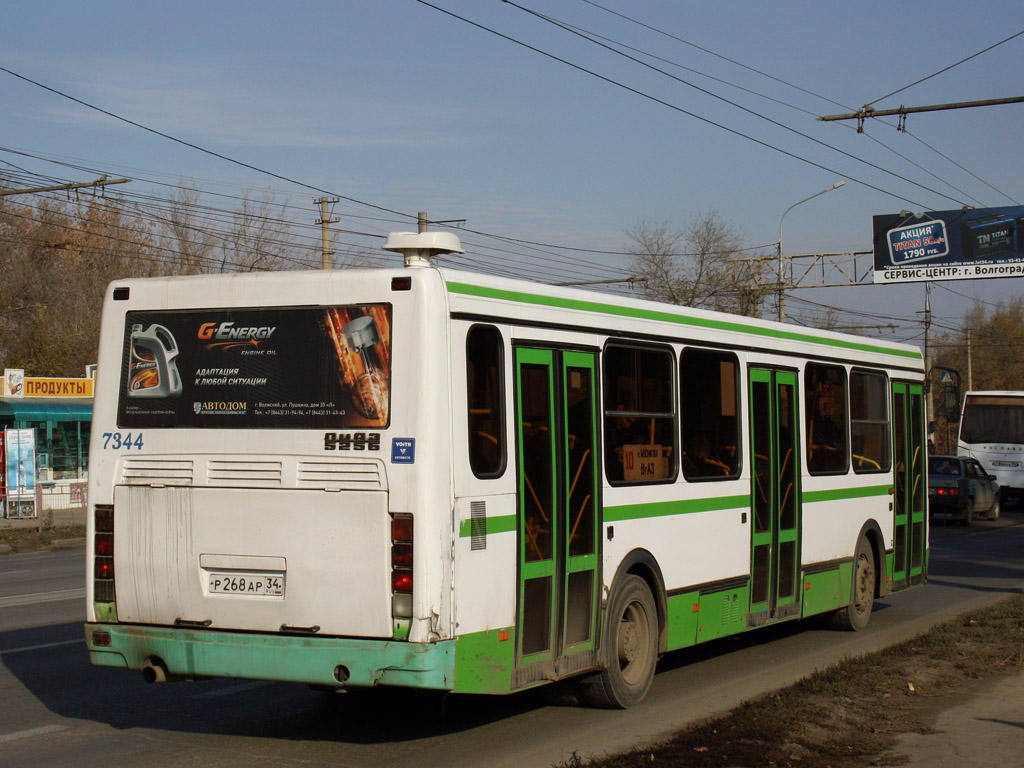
point(952, 403)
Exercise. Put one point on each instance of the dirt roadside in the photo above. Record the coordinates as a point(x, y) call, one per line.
point(21, 540)
point(870, 710)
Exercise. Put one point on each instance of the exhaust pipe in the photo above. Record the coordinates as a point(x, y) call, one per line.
point(155, 671)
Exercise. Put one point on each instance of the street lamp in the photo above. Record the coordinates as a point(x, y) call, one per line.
point(782, 288)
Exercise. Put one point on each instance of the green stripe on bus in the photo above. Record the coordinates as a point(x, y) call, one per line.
point(681, 507)
point(840, 494)
point(507, 523)
point(496, 524)
point(669, 317)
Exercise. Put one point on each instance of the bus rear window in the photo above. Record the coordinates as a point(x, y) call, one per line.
point(485, 391)
point(284, 368)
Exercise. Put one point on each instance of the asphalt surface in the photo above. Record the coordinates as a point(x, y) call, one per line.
point(56, 706)
point(987, 730)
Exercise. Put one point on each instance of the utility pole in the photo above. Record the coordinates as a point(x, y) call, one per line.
point(970, 374)
point(325, 233)
point(101, 182)
point(928, 410)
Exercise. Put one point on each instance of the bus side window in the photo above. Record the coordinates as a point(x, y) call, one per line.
point(825, 393)
point(709, 410)
point(639, 417)
point(869, 422)
point(485, 401)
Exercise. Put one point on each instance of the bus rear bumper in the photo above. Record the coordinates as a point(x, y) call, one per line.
point(326, 661)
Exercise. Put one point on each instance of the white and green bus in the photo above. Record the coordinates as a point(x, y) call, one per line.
point(438, 479)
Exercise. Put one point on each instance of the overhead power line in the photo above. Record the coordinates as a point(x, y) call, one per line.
point(901, 126)
point(196, 147)
point(945, 69)
point(282, 177)
point(711, 53)
point(574, 31)
point(677, 108)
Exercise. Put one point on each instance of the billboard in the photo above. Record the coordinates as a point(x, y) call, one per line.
point(949, 245)
point(257, 368)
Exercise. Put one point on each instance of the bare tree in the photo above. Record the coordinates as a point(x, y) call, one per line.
point(189, 245)
point(997, 343)
point(260, 238)
point(57, 259)
point(357, 258)
point(696, 265)
point(829, 321)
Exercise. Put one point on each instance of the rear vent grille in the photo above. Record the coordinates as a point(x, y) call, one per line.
point(246, 474)
point(158, 472)
point(478, 525)
point(351, 475)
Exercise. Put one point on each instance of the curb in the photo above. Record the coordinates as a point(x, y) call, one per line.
point(67, 543)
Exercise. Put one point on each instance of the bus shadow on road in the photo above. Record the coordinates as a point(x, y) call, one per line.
point(61, 678)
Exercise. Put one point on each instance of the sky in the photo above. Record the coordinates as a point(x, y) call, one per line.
point(548, 146)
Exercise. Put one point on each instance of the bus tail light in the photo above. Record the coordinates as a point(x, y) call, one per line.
point(401, 581)
point(103, 554)
point(401, 574)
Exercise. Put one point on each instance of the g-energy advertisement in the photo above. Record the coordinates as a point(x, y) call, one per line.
point(949, 245)
point(284, 368)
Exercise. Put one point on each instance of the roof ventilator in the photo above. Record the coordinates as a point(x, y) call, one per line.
point(419, 247)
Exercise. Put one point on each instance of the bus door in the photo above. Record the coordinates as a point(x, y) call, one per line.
point(908, 541)
point(775, 494)
point(556, 423)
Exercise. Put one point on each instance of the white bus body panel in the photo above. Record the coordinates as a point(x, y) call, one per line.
point(331, 554)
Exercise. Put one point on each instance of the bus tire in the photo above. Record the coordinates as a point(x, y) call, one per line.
point(630, 648)
point(855, 616)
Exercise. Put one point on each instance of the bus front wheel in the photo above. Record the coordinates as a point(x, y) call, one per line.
point(630, 648)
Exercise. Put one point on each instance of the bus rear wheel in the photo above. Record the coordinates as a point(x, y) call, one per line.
point(855, 616)
point(630, 648)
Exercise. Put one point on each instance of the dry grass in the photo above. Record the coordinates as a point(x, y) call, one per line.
point(32, 540)
point(849, 714)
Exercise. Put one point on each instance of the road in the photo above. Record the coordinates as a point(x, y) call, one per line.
point(55, 709)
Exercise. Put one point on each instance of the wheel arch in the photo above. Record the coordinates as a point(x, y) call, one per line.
point(640, 562)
